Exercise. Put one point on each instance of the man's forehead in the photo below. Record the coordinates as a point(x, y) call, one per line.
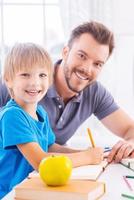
point(87, 45)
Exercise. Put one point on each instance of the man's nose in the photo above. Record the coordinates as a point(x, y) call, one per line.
point(88, 68)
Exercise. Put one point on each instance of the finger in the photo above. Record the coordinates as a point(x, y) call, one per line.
point(121, 152)
point(132, 154)
point(128, 151)
point(114, 151)
point(125, 150)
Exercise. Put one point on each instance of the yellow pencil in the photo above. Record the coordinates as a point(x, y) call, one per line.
point(91, 137)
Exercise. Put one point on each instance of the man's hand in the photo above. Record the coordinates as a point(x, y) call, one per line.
point(121, 149)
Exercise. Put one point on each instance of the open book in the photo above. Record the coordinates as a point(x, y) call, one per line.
point(90, 172)
point(86, 172)
point(128, 162)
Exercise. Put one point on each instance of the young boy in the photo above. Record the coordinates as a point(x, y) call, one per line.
point(25, 132)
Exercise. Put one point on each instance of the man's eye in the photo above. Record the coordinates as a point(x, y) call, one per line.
point(98, 65)
point(81, 56)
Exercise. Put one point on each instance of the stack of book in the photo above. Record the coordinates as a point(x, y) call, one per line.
point(33, 188)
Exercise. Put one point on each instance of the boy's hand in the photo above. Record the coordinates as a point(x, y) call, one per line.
point(95, 155)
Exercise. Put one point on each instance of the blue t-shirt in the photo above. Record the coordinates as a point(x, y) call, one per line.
point(18, 127)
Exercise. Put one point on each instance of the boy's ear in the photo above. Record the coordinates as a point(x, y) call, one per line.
point(65, 52)
point(8, 83)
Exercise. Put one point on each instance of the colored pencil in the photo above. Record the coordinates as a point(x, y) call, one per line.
point(127, 182)
point(91, 137)
point(129, 196)
point(128, 176)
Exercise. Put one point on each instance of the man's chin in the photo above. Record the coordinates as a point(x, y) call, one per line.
point(79, 89)
point(76, 89)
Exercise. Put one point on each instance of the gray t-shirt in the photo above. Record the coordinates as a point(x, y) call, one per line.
point(65, 119)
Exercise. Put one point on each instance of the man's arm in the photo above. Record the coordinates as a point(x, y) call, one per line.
point(123, 126)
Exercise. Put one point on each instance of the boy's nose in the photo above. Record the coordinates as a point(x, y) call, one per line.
point(35, 80)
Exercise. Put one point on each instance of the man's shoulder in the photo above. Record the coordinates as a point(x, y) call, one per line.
point(4, 94)
point(95, 87)
point(2, 85)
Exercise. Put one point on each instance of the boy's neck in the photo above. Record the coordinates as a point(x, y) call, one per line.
point(30, 109)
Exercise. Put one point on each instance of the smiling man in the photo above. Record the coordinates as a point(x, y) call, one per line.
point(75, 94)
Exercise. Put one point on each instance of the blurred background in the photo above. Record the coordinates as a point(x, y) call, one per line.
point(49, 23)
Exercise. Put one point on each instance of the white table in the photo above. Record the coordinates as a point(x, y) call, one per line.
point(115, 185)
point(112, 176)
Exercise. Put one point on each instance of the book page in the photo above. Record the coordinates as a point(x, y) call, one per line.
point(90, 172)
point(86, 172)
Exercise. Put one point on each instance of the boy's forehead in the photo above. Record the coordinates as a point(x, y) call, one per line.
point(31, 68)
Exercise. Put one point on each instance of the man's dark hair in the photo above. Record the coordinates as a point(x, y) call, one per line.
point(98, 31)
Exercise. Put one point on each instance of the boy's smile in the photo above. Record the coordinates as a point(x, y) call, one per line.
point(33, 92)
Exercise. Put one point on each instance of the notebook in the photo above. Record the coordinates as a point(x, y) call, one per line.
point(34, 189)
point(128, 162)
point(89, 172)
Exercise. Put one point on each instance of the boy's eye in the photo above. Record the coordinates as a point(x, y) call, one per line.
point(25, 75)
point(42, 75)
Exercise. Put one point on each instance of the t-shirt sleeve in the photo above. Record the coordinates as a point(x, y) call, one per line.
point(16, 129)
point(4, 94)
point(104, 102)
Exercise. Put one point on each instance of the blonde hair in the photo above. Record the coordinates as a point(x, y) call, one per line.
point(25, 56)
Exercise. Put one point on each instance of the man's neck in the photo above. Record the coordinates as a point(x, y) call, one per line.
point(61, 85)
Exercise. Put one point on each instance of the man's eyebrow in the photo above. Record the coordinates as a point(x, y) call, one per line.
point(81, 51)
point(99, 61)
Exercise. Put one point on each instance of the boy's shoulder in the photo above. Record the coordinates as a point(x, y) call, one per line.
point(10, 109)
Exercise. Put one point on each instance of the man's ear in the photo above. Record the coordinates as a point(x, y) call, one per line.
point(65, 52)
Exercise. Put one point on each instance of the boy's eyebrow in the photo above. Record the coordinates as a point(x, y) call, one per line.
point(81, 51)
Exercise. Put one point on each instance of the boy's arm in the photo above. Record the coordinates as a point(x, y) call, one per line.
point(61, 149)
point(34, 154)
